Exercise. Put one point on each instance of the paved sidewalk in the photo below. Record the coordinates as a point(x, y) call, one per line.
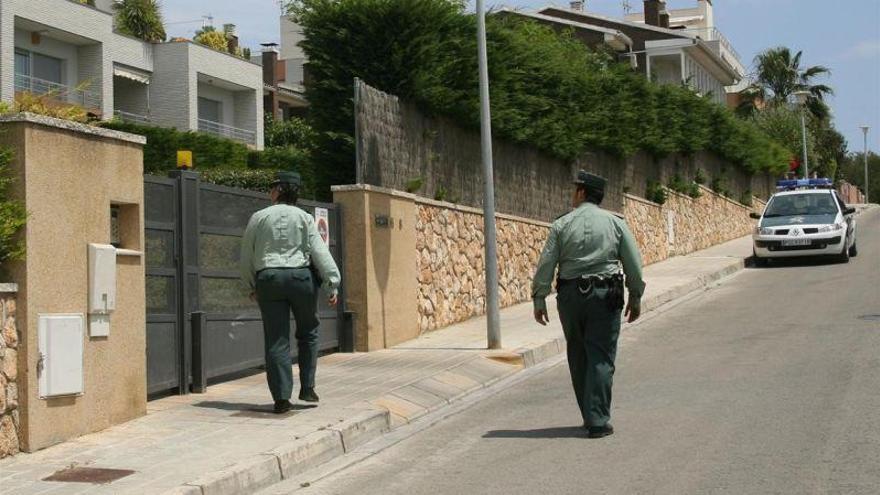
point(227, 441)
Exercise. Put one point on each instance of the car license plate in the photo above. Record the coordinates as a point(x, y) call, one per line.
point(796, 242)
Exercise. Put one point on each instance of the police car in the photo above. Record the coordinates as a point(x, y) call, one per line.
point(805, 218)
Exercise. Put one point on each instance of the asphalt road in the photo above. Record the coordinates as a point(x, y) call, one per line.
point(769, 383)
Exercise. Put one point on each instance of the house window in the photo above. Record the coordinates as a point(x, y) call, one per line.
point(39, 66)
point(22, 63)
point(210, 110)
point(47, 68)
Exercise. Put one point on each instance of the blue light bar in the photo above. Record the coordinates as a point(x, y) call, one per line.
point(792, 184)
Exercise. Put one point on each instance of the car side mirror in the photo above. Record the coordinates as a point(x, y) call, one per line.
point(756, 216)
point(849, 210)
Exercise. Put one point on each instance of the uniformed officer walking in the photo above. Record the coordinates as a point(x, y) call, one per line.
point(282, 255)
point(589, 245)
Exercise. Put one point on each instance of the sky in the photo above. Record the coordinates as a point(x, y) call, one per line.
point(843, 35)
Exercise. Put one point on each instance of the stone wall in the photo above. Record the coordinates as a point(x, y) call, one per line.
point(683, 224)
point(9, 414)
point(398, 146)
point(449, 245)
point(451, 267)
point(849, 193)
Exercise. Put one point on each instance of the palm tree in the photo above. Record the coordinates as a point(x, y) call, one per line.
point(779, 75)
point(141, 19)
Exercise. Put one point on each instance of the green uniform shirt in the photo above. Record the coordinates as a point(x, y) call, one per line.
point(284, 236)
point(588, 241)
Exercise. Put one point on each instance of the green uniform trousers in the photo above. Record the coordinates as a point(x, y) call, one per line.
point(591, 331)
point(281, 291)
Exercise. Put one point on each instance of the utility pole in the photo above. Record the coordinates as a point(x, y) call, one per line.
point(802, 97)
point(493, 327)
point(865, 132)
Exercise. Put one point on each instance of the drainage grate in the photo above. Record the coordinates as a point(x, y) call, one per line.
point(98, 476)
point(870, 317)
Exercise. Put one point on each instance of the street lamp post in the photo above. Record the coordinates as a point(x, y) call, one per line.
point(801, 98)
point(493, 328)
point(865, 156)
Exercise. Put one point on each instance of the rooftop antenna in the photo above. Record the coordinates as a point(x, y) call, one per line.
point(627, 7)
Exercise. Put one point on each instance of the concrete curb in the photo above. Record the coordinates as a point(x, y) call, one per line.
point(402, 406)
point(291, 459)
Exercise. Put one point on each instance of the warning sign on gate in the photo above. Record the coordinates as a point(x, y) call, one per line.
point(323, 220)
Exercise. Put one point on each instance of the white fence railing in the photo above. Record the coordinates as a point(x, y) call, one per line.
point(132, 118)
point(227, 131)
point(40, 87)
point(714, 34)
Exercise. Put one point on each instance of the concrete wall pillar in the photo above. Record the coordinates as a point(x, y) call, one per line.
point(381, 279)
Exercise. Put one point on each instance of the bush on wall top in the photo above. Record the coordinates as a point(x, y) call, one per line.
point(160, 152)
point(547, 90)
point(12, 214)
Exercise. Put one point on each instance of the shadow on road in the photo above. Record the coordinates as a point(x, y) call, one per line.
point(557, 432)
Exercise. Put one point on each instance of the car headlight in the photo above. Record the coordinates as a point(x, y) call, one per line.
point(764, 231)
point(832, 228)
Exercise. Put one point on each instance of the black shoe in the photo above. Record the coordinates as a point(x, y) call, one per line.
point(308, 395)
point(282, 406)
point(600, 431)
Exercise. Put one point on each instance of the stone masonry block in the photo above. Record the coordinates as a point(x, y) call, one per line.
point(308, 452)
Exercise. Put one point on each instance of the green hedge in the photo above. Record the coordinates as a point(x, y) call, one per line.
point(160, 152)
point(254, 180)
point(12, 214)
point(547, 90)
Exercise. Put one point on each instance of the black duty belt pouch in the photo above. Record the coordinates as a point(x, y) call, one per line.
point(615, 292)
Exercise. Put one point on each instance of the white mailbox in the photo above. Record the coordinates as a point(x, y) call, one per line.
point(102, 288)
point(60, 365)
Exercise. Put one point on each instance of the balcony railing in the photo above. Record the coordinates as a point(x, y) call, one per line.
point(40, 87)
point(227, 131)
point(714, 34)
point(132, 118)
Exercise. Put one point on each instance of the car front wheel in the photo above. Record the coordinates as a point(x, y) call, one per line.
point(853, 251)
point(843, 257)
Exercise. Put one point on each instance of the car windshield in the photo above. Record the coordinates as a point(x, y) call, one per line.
point(801, 204)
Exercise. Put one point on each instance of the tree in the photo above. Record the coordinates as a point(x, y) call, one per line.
point(779, 75)
point(12, 214)
point(141, 19)
point(210, 37)
point(852, 170)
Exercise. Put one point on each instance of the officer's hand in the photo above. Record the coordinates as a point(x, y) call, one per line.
point(333, 300)
point(541, 316)
point(633, 310)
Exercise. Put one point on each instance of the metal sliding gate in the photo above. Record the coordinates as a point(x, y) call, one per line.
point(201, 324)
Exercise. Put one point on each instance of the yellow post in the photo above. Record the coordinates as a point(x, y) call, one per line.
point(184, 159)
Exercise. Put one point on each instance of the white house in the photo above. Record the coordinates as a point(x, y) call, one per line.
point(691, 52)
point(72, 51)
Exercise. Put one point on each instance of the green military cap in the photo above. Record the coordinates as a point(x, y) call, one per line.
point(292, 178)
point(590, 181)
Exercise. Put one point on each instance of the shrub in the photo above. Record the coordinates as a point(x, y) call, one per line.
point(141, 19)
point(12, 214)
point(700, 177)
point(160, 152)
point(655, 192)
point(50, 104)
point(694, 190)
point(548, 91)
point(719, 186)
point(678, 185)
point(746, 198)
point(254, 180)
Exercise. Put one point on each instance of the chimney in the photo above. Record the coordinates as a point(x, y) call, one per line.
point(270, 63)
point(653, 9)
point(577, 5)
point(664, 19)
